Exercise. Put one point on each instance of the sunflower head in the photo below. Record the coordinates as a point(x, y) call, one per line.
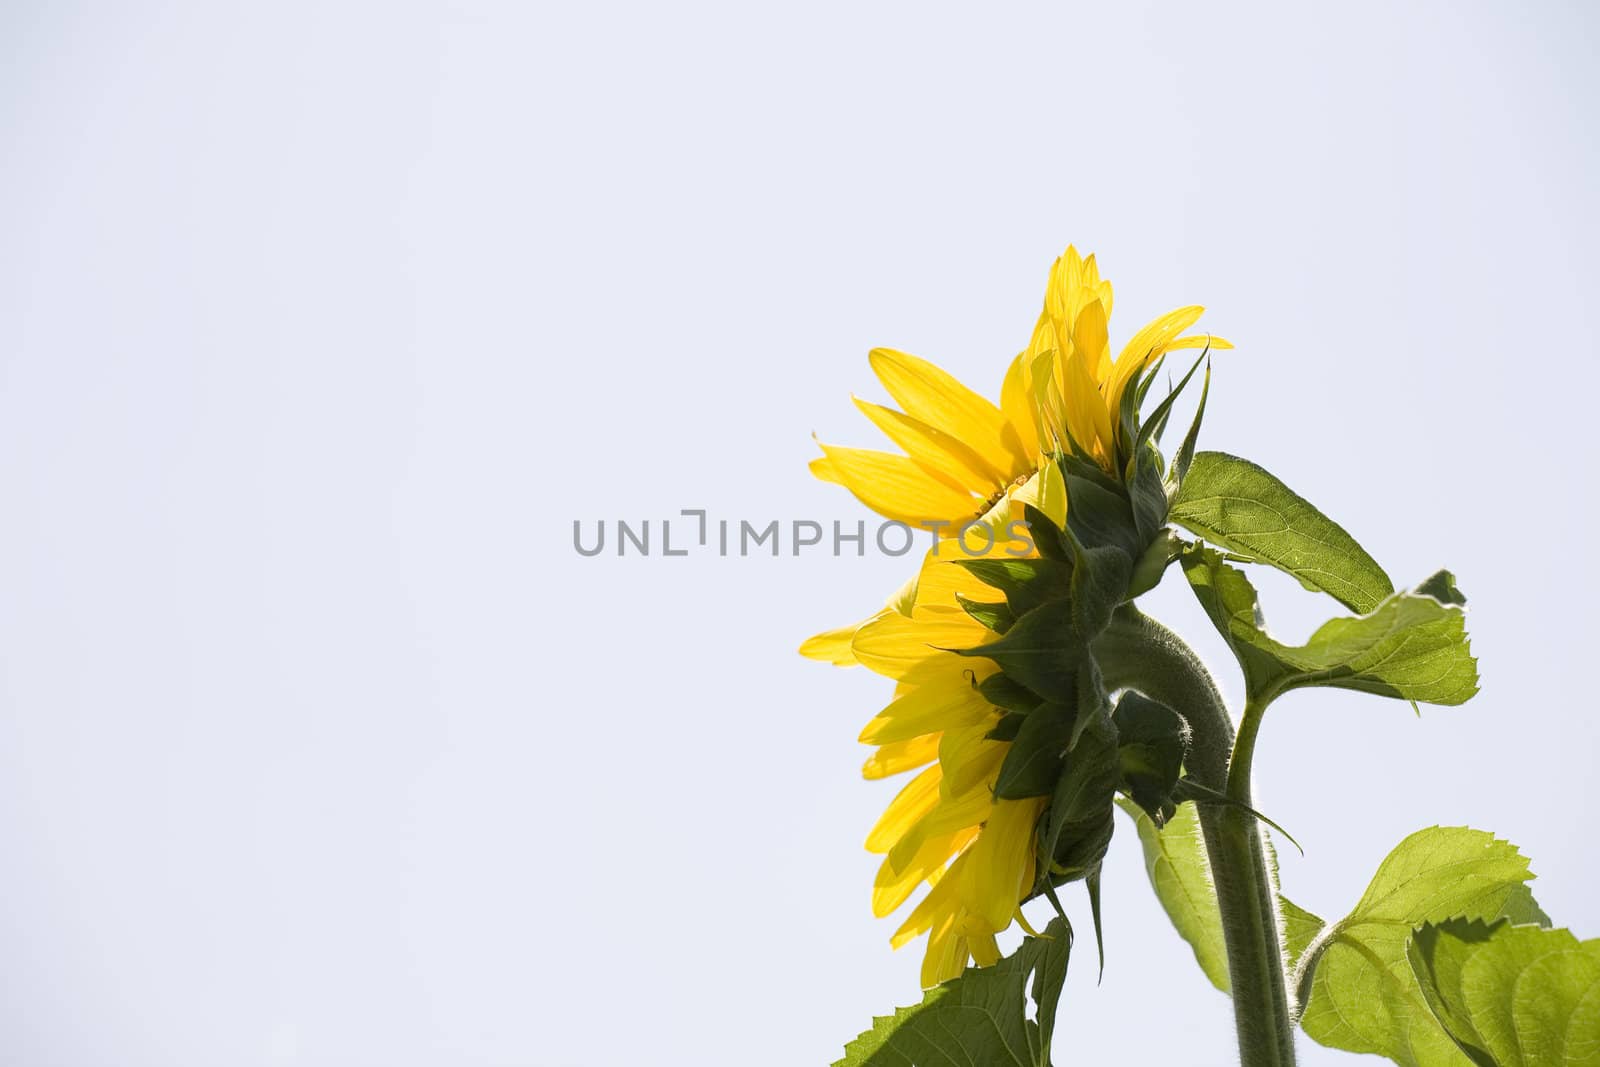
point(999, 706)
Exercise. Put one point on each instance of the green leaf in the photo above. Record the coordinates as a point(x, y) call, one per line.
point(1300, 929)
point(1355, 981)
point(1511, 996)
point(980, 1017)
point(1180, 873)
point(1235, 504)
point(1179, 868)
point(1411, 646)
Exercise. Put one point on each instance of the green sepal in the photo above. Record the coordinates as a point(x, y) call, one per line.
point(1086, 469)
point(1094, 707)
point(1100, 517)
point(1048, 538)
point(1077, 827)
point(1082, 847)
point(1148, 569)
point(1152, 741)
point(1041, 651)
point(1100, 582)
point(1008, 727)
point(1184, 458)
point(1091, 883)
point(1156, 422)
point(1026, 583)
point(1149, 379)
point(1034, 761)
point(1187, 789)
point(1147, 492)
point(1002, 692)
point(997, 617)
point(1127, 428)
point(980, 1016)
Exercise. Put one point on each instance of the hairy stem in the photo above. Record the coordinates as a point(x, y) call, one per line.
point(1136, 652)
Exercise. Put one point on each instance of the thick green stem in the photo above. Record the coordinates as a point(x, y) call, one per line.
point(1137, 652)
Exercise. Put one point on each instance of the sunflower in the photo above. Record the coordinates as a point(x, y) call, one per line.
point(969, 461)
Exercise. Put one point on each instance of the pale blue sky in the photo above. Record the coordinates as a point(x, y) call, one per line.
point(319, 323)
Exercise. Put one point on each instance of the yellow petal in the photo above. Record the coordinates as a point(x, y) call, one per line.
point(946, 957)
point(1001, 869)
point(956, 813)
point(1146, 345)
point(893, 886)
point(1089, 339)
point(968, 758)
point(985, 953)
point(1016, 403)
point(940, 901)
point(832, 646)
point(1085, 416)
point(942, 576)
point(1200, 340)
point(936, 451)
point(901, 756)
point(904, 597)
point(925, 392)
point(823, 471)
point(948, 816)
point(912, 650)
point(917, 799)
point(1047, 492)
point(895, 487)
point(927, 709)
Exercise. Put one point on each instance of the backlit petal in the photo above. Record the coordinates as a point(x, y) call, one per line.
point(925, 392)
point(896, 487)
point(942, 455)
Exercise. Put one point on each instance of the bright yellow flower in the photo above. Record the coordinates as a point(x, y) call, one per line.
point(1067, 376)
point(968, 459)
